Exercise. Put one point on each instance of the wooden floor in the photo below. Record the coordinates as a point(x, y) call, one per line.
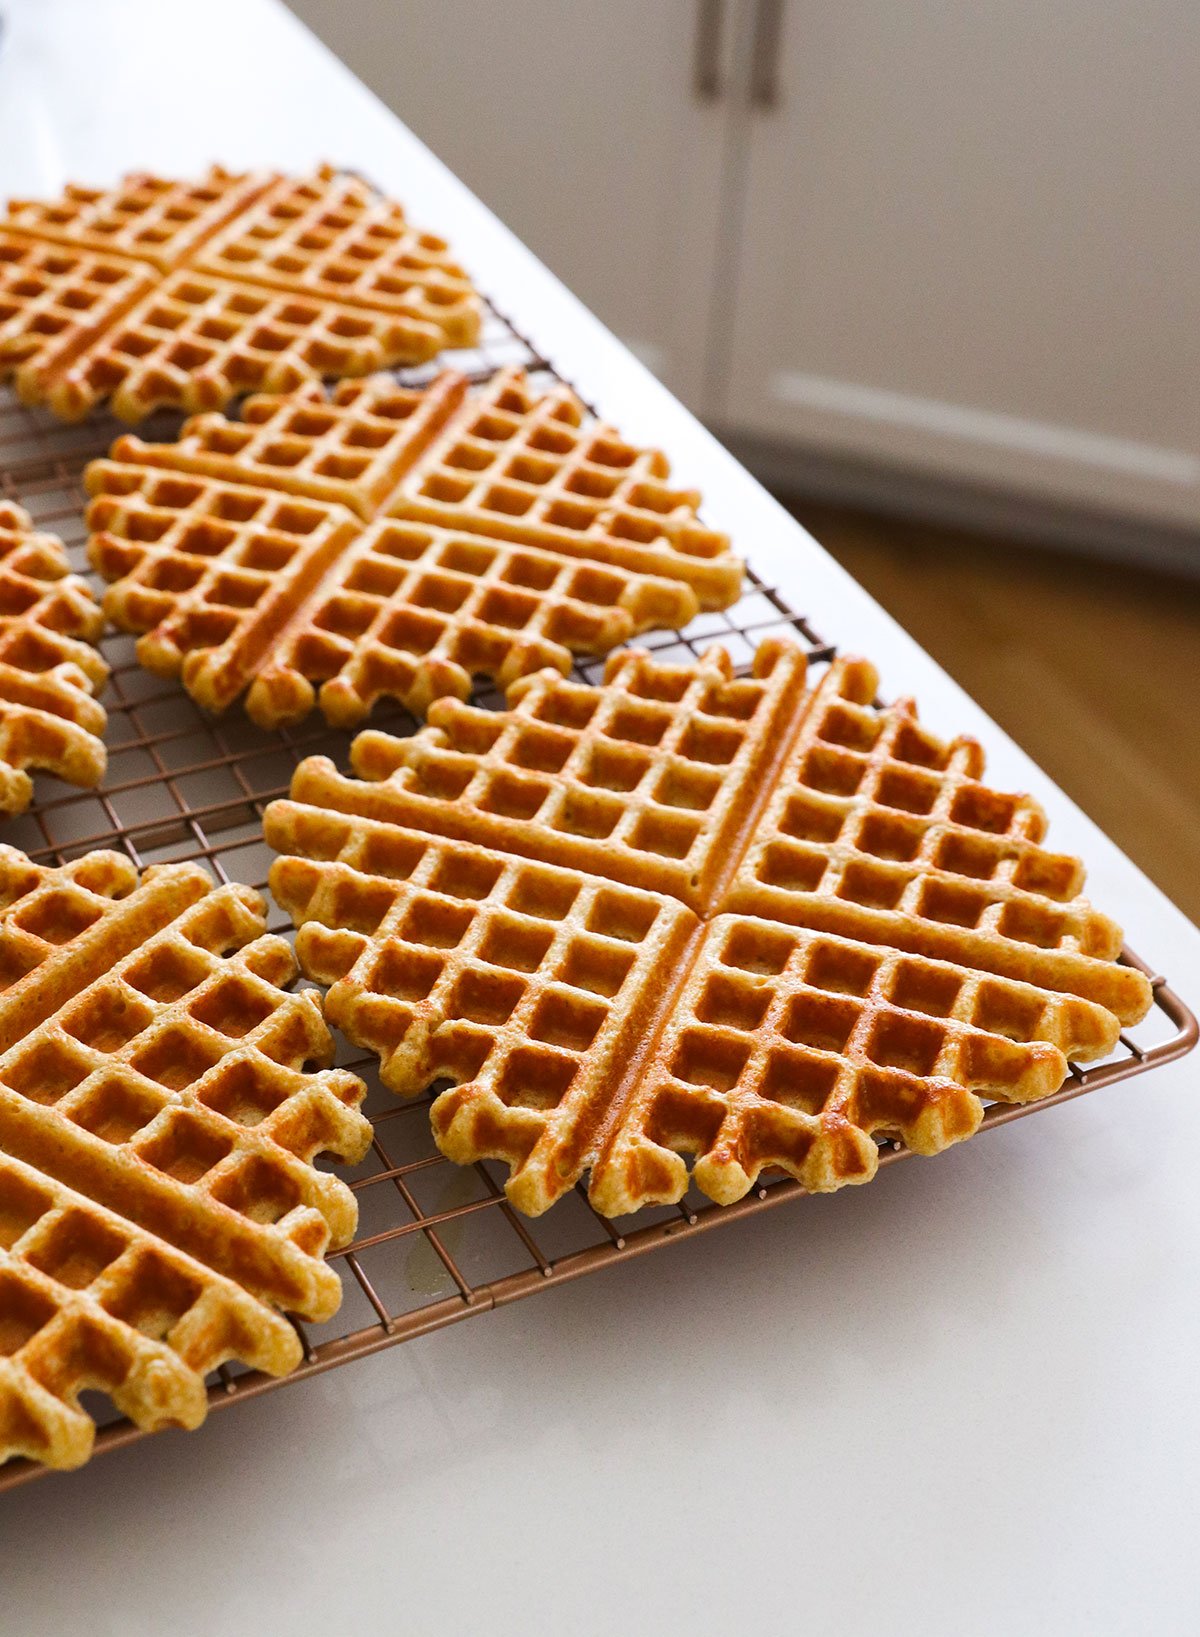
point(1092, 667)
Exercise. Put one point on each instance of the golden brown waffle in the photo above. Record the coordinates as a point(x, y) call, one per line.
point(649, 779)
point(212, 574)
point(333, 237)
point(164, 293)
point(416, 613)
point(768, 1037)
point(196, 341)
point(236, 587)
point(48, 669)
point(530, 468)
point(501, 462)
point(528, 986)
point(880, 830)
point(798, 1050)
point(151, 1063)
point(346, 447)
point(231, 552)
point(88, 1300)
point(54, 298)
point(144, 218)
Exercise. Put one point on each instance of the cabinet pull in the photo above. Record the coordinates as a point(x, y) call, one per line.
point(764, 59)
point(706, 63)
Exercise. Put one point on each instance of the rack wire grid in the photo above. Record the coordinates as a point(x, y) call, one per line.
point(436, 1242)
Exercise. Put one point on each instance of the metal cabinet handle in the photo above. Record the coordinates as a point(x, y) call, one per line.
point(706, 62)
point(764, 56)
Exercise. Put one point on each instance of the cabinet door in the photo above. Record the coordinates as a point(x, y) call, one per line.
point(970, 244)
point(582, 127)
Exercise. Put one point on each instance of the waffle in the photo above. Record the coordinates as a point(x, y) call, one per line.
point(169, 294)
point(144, 218)
point(48, 668)
point(798, 1050)
point(153, 1083)
point(501, 462)
point(785, 1027)
point(416, 613)
point(880, 830)
point(528, 986)
point(197, 341)
point(519, 466)
point(55, 299)
point(649, 779)
point(88, 1300)
point(347, 447)
point(233, 553)
point(238, 588)
point(334, 238)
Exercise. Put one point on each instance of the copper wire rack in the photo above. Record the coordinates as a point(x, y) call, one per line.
point(436, 1242)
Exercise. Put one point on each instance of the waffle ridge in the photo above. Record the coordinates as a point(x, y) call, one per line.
point(500, 461)
point(49, 668)
point(334, 237)
point(647, 778)
point(155, 1090)
point(527, 985)
point(185, 295)
point(779, 1033)
point(878, 828)
point(798, 1050)
point(270, 557)
point(532, 469)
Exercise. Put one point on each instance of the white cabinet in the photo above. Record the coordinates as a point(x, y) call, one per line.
point(970, 243)
point(954, 239)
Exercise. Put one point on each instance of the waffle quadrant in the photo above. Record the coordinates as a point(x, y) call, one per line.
point(528, 985)
point(316, 552)
point(164, 293)
point(159, 1118)
point(49, 668)
point(821, 929)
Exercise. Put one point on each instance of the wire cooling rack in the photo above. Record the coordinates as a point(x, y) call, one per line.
point(436, 1242)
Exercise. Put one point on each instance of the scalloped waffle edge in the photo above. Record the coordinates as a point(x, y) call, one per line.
point(49, 668)
point(159, 1208)
point(180, 294)
point(779, 1034)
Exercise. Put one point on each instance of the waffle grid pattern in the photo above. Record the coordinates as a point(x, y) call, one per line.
point(49, 667)
point(47, 289)
point(657, 779)
point(645, 779)
point(881, 830)
point(334, 237)
point(186, 295)
point(543, 474)
point(144, 218)
point(793, 1048)
point(349, 593)
point(151, 1086)
point(526, 985)
point(89, 1302)
point(349, 446)
point(435, 1243)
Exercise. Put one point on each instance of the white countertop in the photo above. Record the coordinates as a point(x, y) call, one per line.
point(960, 1401)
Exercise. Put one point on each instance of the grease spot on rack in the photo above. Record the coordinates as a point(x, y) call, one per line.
point(424, 1269)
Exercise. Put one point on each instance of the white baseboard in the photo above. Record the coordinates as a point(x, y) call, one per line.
point(1043, 439)
point(1060, 466)
point(896, 490)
